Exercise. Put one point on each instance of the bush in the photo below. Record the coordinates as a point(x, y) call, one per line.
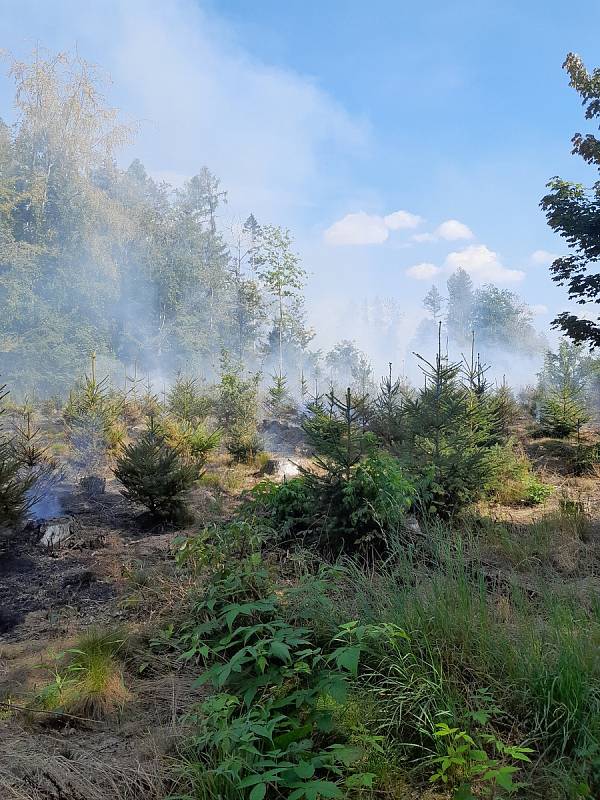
point(562, 413)
point(236, 409)
point(154, 475)
point(16, 483)
point(338, 513)
point(91, 415)
point(192, 441)
point(512, 480)
point(448, 441)
point(186, 402)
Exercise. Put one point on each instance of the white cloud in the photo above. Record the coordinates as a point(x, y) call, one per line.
point(453, 230)
point(538, 309)
point(362, 228)
point(402, 219)
point(543, 257)
point(482, 264)
point(423, 272)
point(359, 228)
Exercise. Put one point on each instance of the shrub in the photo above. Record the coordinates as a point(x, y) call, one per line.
point(278, 402)
point(562, 413)
point(236, 409)
point(192, 441)
point(337, 513)
point(91, 415)
point(448, 440)
point(186, 402)
point(512, 480)
point(154, 475)
point(16, 482)
point(355, 497)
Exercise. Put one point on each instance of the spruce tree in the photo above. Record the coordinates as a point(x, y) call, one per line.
point(447, 439)
point(15, 485)
point(279, 402)
point(387, 417)
point(152, 474)
point(563, 412)
point(236, 408)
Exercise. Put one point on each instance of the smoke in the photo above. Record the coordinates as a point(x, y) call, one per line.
point(47, 506)
point(281, 145)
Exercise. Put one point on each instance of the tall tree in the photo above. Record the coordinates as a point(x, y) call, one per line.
point(283, 278)
point(573, 211)
point(433, 302)
point(460, 306)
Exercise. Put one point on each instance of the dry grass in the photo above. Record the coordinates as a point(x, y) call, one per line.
point(50, 768)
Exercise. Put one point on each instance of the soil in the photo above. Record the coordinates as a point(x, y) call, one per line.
point(47, 598)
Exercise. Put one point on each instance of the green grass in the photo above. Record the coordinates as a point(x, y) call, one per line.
point(88, 679)
point(533, 658)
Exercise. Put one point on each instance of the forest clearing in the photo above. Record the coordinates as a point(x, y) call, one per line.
point(244, 558)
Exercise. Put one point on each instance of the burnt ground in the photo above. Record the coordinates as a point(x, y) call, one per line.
point(44, 589)
point(113, 572)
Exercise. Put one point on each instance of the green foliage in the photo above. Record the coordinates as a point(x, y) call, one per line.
point(447, 446)
point(572, 211)
point(186, 402)
point(525, 673)
point(16, 481)
point(387, 412)
point(562, 412)
point(153, 474)
point(94, 256)
point(236, 409)
point(356, 496)
point(190, 440)
point(513, 482)
point(91, 417)
point(279, 402)
point(283, 279)
point(465, 764)
point(266, 729)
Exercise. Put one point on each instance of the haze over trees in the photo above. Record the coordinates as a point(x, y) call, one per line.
point(95, 257)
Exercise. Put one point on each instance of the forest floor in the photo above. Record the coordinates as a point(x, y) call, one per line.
point(116, 572)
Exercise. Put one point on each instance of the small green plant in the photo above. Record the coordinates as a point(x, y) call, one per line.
point(356, 495)
point(16, 483)
point(279, 402)
point(192, 441)
point(465, 765)
point(88, 679)
point(563, 412)
point(91, 416)
point(153, 474)
point(236, 409)
point(187, 403)
point(266, 729)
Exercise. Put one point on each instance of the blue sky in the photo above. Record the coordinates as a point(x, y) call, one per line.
point(330, 117)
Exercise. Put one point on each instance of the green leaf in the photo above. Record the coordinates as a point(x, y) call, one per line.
point(305, 769)
point(281, 650)
point(258, 792)
point(347, 658)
